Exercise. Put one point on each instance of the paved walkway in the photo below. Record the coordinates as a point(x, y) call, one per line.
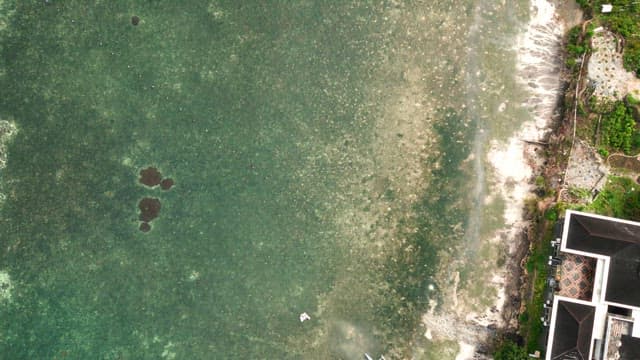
point(577, 273)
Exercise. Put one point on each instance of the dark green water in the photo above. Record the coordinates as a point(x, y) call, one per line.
point(318, 150)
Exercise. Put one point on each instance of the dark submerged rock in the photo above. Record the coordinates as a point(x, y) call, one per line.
point(145, 227)
point(166, 184)
point(149, 209)
point(150, 176)
point(135, 20)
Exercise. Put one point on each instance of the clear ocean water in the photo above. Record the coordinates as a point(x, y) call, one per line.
point(327, 159)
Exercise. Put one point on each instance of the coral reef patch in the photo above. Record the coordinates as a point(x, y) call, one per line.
point(150, 176)
point(145, 227)
point(166, 184)
point(149, 208)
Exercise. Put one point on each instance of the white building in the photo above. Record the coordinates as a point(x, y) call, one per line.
point(595, 311)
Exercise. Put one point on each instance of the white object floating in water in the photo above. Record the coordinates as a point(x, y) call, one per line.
point(304, 316)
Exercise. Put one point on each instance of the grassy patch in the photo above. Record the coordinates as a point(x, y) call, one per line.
point(620, 198)
point(619, 128)
point(447, 349)
point(531, 327)
point(508, 350)
point(537, 269)
point(577, 45)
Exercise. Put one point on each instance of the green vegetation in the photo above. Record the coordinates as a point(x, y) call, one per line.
point(619, 128)
point(624, 17)
point(537, 269)
point(624, 20)
point(620, 198)
point(585, 4)
point(508, 350)
point(610, 126)
point(531, 327)
point(603, 152)
point(551, 214)
point(580, 193)
point(631, 57)
point(577, 45)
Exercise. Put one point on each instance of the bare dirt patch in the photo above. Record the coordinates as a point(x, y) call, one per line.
point(585, 169)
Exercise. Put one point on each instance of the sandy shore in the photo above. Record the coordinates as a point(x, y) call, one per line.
point(518, 160)
point(515, 162)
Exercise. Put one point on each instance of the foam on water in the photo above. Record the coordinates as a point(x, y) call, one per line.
point(539, 63)
point(538, 70)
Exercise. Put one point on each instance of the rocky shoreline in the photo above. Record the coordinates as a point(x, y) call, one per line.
point(532, 147)
point(562, 159)
point(516, 163)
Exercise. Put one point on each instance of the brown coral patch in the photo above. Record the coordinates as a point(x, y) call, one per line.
point(150, 176)
point(149, 209)
point(145, 227)
point(166, 184)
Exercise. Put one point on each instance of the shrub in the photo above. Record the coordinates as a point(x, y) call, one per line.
point(603, 152)
point(586, 7)
point(623, 23)
point(573, 37)
point(583, 3)
point(624, 20)
point(619, 128)
point(591, 28)
point(619, 198)
point(508, 350)
point(635, 141)
point(631, 56)
point(576, 50)
point(576, 45)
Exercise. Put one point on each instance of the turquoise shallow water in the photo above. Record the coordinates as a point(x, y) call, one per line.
point(320, 154)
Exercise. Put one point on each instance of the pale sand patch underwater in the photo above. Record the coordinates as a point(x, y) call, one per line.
point(8, 131)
